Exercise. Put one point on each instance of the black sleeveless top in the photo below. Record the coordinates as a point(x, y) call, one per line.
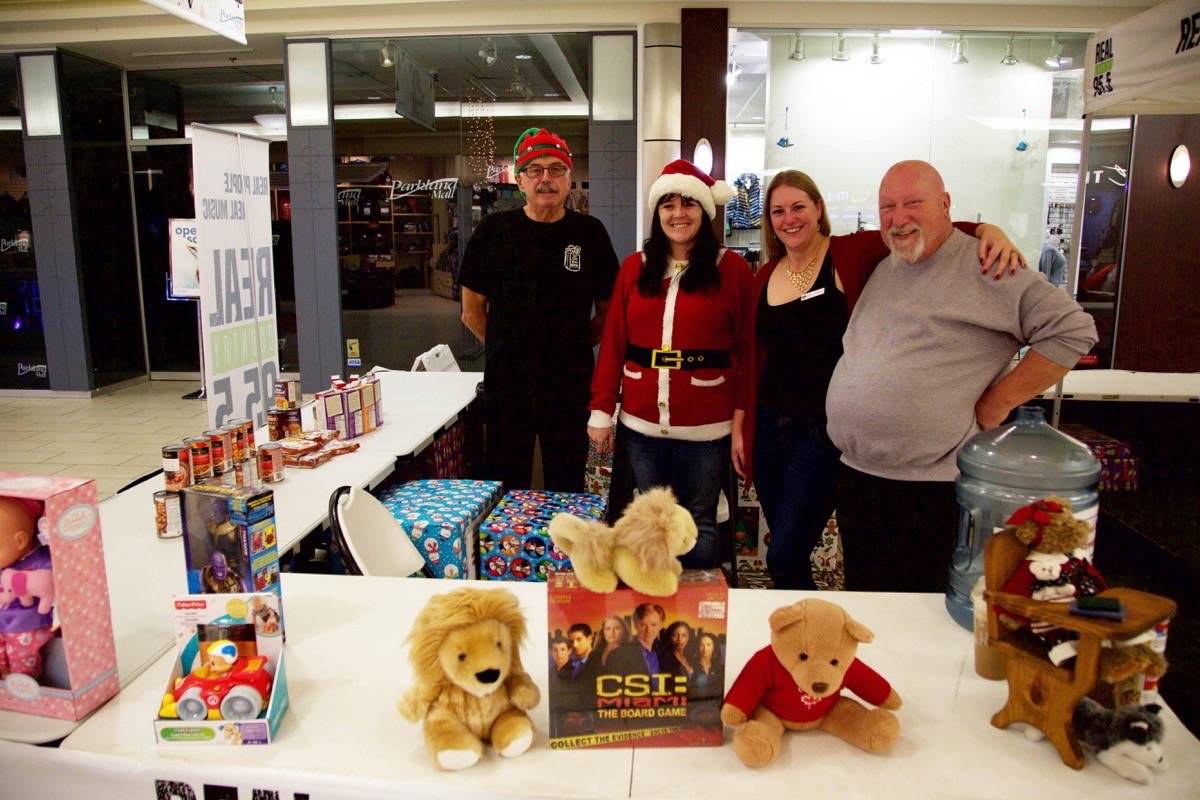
point(803, 339)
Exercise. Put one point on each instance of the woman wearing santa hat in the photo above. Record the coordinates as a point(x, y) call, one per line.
point(676, 344)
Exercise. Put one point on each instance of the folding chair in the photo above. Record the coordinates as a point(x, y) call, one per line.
point(438, 358)
point(370, 539)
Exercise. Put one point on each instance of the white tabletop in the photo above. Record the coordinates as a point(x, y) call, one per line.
point(1119, 384)
point(343, 736)
point(144, 572)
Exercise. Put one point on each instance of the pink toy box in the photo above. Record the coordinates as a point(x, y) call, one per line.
point(79, 661)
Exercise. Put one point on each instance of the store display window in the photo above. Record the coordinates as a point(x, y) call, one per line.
point(22, 342)
point(998, 113)
point(409, 195)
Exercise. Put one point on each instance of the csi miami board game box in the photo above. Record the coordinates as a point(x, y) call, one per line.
point(632, 670)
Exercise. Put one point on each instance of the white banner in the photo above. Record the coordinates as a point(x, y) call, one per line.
point(237, 283)
point(226, 17)
point(185, 265)
point(1149, 63)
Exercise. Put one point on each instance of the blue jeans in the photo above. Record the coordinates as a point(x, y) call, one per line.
point(695, 471)
point(795, 474)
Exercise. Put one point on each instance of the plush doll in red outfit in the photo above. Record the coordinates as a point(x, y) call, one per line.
point(796, 683)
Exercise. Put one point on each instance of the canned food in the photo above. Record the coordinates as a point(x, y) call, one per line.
point(287, 394)
point(222, 450)
point(177, 470)
point(201, 457)
point(293, 424)
point(270, 463)
point(248, 435)
point(237, 437)
point(277, 424)
point(168, 522)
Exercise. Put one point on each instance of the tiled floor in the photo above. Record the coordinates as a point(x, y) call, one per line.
point(113, 438)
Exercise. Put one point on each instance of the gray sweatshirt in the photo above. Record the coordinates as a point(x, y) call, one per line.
point(924, 342)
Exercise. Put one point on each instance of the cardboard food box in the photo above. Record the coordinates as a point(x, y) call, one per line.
point(623, 693)
point(514, 541)
point(79, 659)
point(229, 684)
point(229, 539)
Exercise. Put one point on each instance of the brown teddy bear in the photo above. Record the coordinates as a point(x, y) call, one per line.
point(641, 548)
point(470, 685)
point(796, 683)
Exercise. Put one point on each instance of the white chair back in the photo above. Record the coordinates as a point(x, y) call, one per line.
point(436, 359)
point(374, 538)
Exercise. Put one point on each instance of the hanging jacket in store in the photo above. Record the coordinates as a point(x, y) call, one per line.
point(745, 209)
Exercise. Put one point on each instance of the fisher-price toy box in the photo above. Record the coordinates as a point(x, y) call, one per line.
point(67, 599)
point(635, 688)
point(228, 685)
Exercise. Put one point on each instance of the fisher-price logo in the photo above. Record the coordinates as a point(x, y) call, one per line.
point(76, 521)
point(191, 605)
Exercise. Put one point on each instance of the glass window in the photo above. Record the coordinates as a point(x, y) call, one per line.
point(998, 113)
point(22, 343)
point(408, 197)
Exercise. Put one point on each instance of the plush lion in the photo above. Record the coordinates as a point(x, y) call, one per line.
point(641, 549)
point(470, 684)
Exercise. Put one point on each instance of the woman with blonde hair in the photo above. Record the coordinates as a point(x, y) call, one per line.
point(805, 294)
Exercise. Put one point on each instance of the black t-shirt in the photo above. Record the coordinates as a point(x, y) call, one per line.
point(540, 280)
point(804, 342)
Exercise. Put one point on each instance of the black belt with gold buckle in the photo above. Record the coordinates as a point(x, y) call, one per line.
point(677, 359)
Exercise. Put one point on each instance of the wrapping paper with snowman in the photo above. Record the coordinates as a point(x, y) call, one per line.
point(442, 517)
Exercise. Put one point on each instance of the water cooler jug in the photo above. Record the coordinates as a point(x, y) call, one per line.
point(1003, 469)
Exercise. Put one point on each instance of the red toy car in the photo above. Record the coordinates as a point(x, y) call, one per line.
point(229, 687)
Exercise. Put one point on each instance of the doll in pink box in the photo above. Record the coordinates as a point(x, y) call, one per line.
point(26, 589)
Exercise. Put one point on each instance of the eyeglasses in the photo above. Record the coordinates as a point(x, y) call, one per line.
point(536, 171)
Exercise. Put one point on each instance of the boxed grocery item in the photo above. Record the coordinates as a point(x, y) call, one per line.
point(351, 408)
point(514, 541)
point(442, 519)
point(631, 670)
point(57, 656)
point(229, 539)
point(228, 685)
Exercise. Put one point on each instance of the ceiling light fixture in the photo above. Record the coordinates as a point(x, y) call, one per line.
point(385, 57)
point(1054, 60)
point(797, 53)
point(276, 120)
point(839, 48)
point(523, 57)
point(1009, 59)
point(958, 51)
point(1181, 165)
point(876, 58)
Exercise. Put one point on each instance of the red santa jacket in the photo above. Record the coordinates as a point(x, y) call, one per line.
point(696, 405)
point(765, 682)
point(855, 256)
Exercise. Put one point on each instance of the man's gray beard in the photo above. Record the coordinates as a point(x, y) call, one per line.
point(909, 254)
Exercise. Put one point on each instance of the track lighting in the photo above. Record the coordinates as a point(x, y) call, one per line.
point(385, 57)
point(1009, 59)
point(876, 58)
point(487, 53)
point(839, 48)
point(958, 51)
point(797, 53)
point(1054, 60)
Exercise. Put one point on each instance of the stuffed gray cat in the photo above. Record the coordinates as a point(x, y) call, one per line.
point(1128, 741)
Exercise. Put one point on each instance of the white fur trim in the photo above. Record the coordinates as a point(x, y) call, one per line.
point(688, 186)
point(599, 419)
point(690, 433)
point(722, 192)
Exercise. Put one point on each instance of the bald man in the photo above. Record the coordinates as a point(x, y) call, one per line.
point(925, 367)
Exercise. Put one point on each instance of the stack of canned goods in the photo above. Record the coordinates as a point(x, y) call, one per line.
point(227, 454)
point(284, 419)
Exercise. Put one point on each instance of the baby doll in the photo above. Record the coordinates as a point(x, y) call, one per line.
point(25, 625)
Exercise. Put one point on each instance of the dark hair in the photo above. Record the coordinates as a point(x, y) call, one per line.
point(559, 639)
point(582, 627)
point(702, 271)
point(676, 625)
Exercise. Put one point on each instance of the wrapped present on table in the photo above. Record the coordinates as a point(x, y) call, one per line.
point(442, 518)
point(1119, 467)
point(514, 541)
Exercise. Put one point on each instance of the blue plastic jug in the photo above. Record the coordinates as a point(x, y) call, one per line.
point(1003, 469)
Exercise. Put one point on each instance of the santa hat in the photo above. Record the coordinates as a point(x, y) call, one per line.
point(538, 142)
point(686, 179)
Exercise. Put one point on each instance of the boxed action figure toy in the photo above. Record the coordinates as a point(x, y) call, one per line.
point(514, 543)
point(229, 539)
point(631, 670)
point(228, 685)
point(57, 656)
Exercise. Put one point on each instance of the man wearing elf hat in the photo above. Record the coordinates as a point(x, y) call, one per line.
point(531, 279)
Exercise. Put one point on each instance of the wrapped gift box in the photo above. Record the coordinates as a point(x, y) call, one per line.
point(514, 541)
point(1119, 467)
point(442, 518)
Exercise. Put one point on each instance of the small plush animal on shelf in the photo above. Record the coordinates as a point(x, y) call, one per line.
point(796, 683)
point(470, 685)
point(1128, 741)
point(641, 549)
